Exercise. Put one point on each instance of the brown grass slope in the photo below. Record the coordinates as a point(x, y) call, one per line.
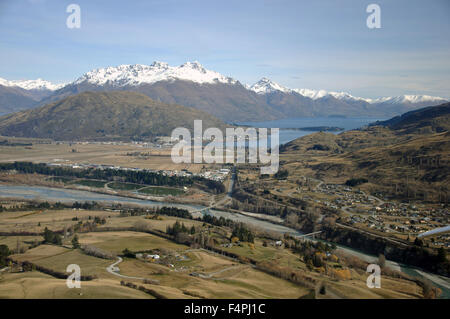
point(426, 120)
point(409, 157)
point(103, 115)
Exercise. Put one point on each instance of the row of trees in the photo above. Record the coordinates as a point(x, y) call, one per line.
point(174, 211)
point(221, 221)
point(47, 205)
point(356, 181)
point(243, 233)
point(179, 228)
point(137, 177)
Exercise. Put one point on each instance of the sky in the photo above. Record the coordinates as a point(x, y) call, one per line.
point(298, 44)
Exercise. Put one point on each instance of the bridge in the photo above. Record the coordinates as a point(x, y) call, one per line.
point(308, 235)
point(224, 200)
point(436, 231)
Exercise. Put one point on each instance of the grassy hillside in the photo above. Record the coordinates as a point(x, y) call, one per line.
point(103, 115)
point(13, 99)
point(406, 157)
point(425, 120)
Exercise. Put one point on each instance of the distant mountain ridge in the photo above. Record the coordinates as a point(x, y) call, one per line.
point(432, 118)
point(191, 84)
point(24, 94)
point(38, 84)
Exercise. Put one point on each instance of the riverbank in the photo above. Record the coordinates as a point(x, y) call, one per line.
point(68, 195)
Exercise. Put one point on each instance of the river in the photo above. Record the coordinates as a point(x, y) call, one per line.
point(69, 196)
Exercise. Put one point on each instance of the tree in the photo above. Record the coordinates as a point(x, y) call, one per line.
point(52, 237)
point(75, 242)
point(381, 260)
point(322, 290)
point(48, 236)
point(317, 260)
point(4, 253)
point(281, 174)
point(418, 242)
point(127, 253)
point(442, 255)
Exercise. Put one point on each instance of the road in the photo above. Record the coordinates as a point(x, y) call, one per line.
point(114, 270)
point(227, 197)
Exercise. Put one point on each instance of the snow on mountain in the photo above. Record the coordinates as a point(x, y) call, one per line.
point(38, 84)
point(265, 86)
point(413, 99)
point(136, 74)
point(317, 94)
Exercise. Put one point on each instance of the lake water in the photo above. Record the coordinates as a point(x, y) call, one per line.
point(289, 135)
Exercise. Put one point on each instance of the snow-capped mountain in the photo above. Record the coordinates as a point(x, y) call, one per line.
point(412, 99)
point(191, 84)
point(266, 86)
point(137, 74)
point(24, 94)
point(38, 84)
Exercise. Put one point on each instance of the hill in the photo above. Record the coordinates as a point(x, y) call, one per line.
point(103, 115)
point(404, 157)
point(13, 99)
point(428, 119)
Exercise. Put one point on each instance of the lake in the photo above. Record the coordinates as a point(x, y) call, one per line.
point(289, 135)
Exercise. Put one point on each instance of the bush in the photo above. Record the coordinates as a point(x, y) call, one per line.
point(128, 253)
point(282, 174)
point(356, 181)
point(97, 252)
point(51, 237)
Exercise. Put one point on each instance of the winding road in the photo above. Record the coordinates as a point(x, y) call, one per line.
point(114, 270)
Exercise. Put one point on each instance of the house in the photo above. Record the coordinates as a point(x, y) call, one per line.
point(153, 257)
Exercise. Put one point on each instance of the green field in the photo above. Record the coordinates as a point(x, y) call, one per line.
point(90, 183)
point(162, 191)
point(59, 179)
point(116, 242)
point(124, 186)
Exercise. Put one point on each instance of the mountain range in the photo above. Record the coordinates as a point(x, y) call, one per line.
point(190, 84)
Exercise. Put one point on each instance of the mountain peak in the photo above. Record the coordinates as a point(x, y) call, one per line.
point(159, 64)
point(133, 75)
point(265, 85)
point(38, 84)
